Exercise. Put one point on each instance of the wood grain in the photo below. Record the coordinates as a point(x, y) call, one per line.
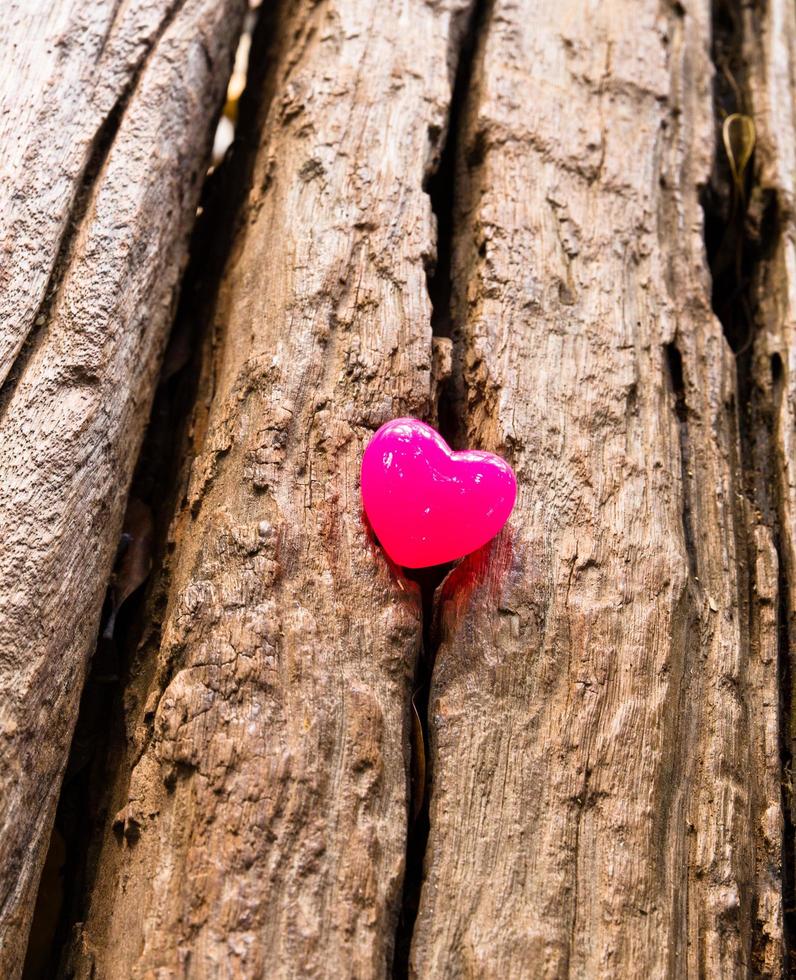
point(269, 783)
point(769, 54)
point(106, 116)
point(604, 705)
point(608, 757)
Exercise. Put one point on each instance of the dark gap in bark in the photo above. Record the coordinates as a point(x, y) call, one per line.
point(100, 747)
point(428, 579)
point(674, 363)
point(440, 185)
point(441, 180)
point(742, 228)
point(101, 146)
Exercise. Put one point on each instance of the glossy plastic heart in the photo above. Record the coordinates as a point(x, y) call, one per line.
point(426, 504)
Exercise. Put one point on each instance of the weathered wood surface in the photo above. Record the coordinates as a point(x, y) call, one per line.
point(604, 707)
point(106, 116)
point(770, 59)
point(604, 715)
point(265, 815)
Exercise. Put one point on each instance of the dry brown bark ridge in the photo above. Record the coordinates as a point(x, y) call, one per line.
point(106, 115)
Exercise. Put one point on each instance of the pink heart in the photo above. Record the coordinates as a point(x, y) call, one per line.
point(426, 504)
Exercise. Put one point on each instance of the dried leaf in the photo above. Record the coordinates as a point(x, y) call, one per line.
point(418, 762)
point(739, 136)
point(135, 561)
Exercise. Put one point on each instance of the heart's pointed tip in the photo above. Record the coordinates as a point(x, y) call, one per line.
point(411, 563)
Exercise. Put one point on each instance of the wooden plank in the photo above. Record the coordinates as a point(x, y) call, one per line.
point(106, 120)
point(265, 815)
point(604, 708)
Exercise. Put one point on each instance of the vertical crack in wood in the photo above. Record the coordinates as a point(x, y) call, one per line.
point(440, 185)
point(674, 361)
point(223, 198)
point(428, 580)
point(742, 228)
point(441, 188)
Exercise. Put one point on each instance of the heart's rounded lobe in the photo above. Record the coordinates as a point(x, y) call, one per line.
point(426, 504)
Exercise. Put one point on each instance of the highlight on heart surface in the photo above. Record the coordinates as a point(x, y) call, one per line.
point(428, 504)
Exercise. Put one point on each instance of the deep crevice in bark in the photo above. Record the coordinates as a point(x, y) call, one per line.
point(441, 188)
point(440, 185)
point(742, 228)
point(100, 747)
point(428, 579)
point(674, 362)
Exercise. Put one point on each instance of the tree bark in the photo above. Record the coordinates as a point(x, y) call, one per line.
point(769, 57)
point(269, 780)
point(526, 223)
point(606, 774)
point(106, 124)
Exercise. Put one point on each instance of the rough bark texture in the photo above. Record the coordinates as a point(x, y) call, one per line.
point(769, 54)
point(609, 720)
point(106, 115)
point(265, 816)
point(603, 722)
